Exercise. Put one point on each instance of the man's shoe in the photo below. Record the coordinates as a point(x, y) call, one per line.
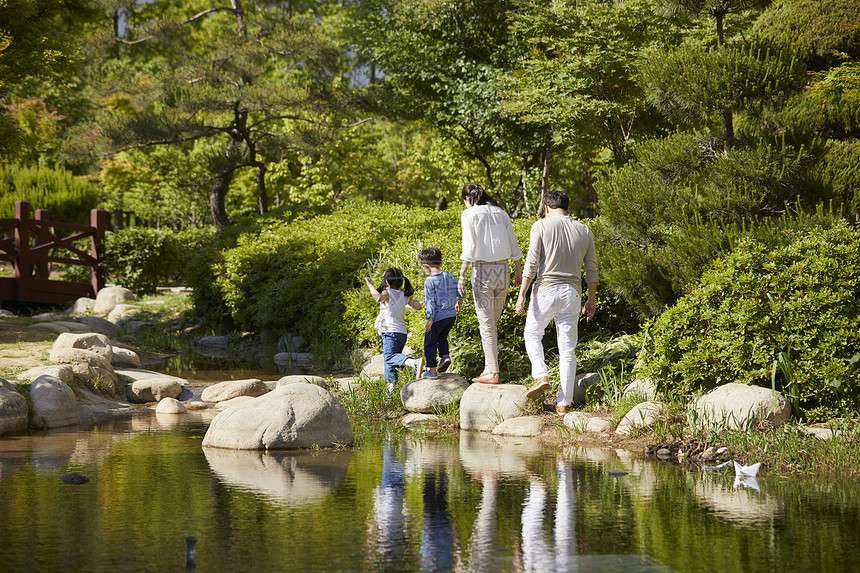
point(561, 410)
point(537, 389)
point(488, 378)
point(444, 364)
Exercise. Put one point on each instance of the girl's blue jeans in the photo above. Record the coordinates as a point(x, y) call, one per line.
point(392, 354)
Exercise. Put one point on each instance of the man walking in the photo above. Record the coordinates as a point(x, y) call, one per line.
point(559, 247)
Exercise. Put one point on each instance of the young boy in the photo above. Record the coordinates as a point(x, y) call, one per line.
point(442, 302)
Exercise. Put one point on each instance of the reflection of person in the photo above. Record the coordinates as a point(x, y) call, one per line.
point(393, 295)
point(442, 301)
point(437, 538)
point(388, 506)
point(488, 242)
point(537, 555)
point(484, 552)
point(558, 249)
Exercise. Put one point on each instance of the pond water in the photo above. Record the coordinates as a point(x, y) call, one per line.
point(394, 502)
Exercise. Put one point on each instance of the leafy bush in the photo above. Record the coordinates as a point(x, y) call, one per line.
point(305, 274)
point(785, 317)
point(66, 197)
point(142, 259)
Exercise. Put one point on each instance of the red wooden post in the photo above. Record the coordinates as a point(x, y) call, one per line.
point(42, 216)
point(22, 246)
point(98, 220)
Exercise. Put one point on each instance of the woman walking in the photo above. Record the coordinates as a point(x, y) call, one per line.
point(488, 243)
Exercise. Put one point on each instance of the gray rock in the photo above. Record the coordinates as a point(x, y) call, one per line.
point(124, 357)
point(664, 452)
point(94, 342)
point(54, 403)
point(296, 378)
point(153, 389)
point(122, 313)
point(99, 324)
point(170, 406)
point(598, 425)
point(13, 409)
point(290, 417)
point(374, 366)
point(4, 312)
point(617, 473)
point(485, 406)
point(644, 388)
point(82, 306)
point(72, 326)
point(414, 419)
point(89, 368)
point(429, 394)
point(234, 388)
point(707, 455)
point(820, 433)
point(576, 420)
point(48, 327)
point(741, 407)
point(75, 479)
point(108, 298)
point(48, 317)
point(519, 426)
point(214, 341)
point(640, 416)
point(62, 371)
point(134, 374)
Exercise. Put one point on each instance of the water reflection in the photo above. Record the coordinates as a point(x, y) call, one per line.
point(286, 478)
point(474, 502)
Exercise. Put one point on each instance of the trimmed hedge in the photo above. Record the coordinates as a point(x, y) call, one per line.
point(142, 259)
point(786, 317)
point(67, 198)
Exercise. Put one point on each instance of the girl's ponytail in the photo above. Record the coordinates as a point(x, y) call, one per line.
point(393, 278)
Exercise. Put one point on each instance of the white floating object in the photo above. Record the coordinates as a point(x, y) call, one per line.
point(746, 471)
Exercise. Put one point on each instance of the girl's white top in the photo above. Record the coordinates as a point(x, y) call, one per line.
point(488, 235)
point(392, 315)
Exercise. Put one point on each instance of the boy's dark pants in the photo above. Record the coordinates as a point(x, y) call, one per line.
point(437, 340)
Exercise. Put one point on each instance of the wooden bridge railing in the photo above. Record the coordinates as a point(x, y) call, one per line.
point(31, 244)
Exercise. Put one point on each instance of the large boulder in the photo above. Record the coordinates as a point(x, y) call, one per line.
point(99, 324)
point(642, 415)
point(82, 306)
point(644, 388)
point(89, 368)
point(485, 406)
point(13, 409)
point(170, 406)
point(290, 417)
point(94, 342)
point(124, 357)
point(122, 313)
point(741, 407)
point(153, 389)
point(233, 389)
point(54, 403)
point(62, 371)
point(108, 297)
point(429, 394)
point(519, 426)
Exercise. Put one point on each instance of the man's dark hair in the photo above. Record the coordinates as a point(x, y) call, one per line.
point(556, 200)
point(430, 256)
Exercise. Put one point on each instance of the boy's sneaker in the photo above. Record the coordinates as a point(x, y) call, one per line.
point(429, 374)
point(444, 364)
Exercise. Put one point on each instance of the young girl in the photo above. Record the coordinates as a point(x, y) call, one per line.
point(393, 294)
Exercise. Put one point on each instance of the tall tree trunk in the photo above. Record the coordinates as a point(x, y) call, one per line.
point(222, 185)
point(523, 178)
point(262, 197)
point(547, 163)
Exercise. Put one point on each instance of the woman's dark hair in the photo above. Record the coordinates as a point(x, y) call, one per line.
point(393, 278)
point(475, 195)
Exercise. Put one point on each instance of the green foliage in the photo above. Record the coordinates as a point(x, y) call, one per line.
point(762, 316)
point(840, 171)
point(682, 203)
point(66, 197)
point(815, 31)
point(142, 259)
point(695, 83)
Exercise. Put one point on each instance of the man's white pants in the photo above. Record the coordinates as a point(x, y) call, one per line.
point(562, 303)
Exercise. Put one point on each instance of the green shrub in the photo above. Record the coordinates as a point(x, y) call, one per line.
point(786, 317)
point(142, 259)
point(66, 197)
